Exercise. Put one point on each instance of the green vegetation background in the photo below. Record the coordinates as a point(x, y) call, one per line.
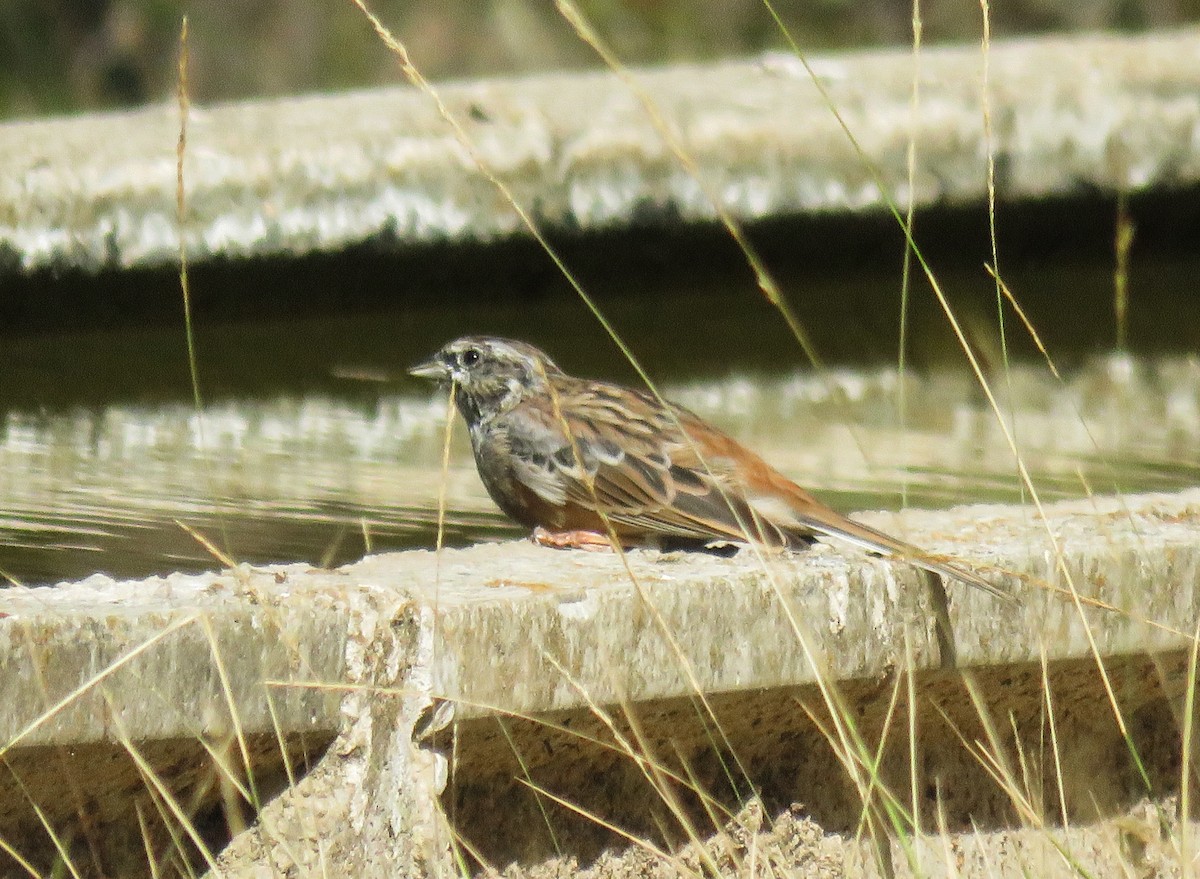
point(63, 56)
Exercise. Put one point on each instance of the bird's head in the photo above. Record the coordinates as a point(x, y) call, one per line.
point(490, 375)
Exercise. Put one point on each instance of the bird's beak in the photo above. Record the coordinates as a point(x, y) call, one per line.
point(432, 368)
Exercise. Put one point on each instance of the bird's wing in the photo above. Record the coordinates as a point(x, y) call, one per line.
point(618, 452)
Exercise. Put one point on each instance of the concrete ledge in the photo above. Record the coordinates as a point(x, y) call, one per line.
point(508, 613)
point(1069, 116)
point(546, 635)
point(172, 656)
point(535, 639)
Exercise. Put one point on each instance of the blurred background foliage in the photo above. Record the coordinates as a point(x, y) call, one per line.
point(61, 56)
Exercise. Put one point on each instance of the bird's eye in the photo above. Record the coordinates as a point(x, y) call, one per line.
point(469, 357)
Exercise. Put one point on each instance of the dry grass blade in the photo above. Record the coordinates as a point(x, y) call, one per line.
point(413, 74)
point(717, 817)
point(1185, 768)
point(247, 791)
point(176, 853)
point(61, 753)
point(859, 766)
point(60, 846)
point(8, 849)
point(147, 842)
point(666, 792)
point(990, 151)
point(1027, 323)
point(994, 762)
point(657, 774)
point(910, 692)
point(164, 793)
point(621, 747)
point(625, 746)
point(211, 547)
point(1122, 246)
point(994, 756)
point(528, 778)
point(185, 288)
point(280, 740)
point(366, 534)
point(443, 484)
point(878, 813)
point(181, 211)
point(461, 842)
point(876, 760)
point(914, 105)
point(1055, 749)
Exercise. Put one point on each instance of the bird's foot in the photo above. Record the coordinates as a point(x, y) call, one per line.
point(592, 541)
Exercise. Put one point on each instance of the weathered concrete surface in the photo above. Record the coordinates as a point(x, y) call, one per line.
point(549, 643)
point(207, 682)
point(581, 153)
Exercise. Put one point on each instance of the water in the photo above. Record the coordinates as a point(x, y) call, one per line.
point(312, 444)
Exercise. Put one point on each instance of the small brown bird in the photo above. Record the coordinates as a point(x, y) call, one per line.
point(577, 460)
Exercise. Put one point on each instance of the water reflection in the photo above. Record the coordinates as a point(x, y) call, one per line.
point(324, 477)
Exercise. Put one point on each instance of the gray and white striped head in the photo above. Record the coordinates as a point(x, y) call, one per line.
point(490, 375)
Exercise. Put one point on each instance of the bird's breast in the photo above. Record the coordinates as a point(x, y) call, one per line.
point(494, 460)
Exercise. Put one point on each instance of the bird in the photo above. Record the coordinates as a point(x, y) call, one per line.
point(596, 465)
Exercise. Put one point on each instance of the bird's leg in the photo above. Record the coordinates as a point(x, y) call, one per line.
point(592, 541)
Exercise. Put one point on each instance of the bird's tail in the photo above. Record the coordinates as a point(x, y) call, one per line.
point(866, 537)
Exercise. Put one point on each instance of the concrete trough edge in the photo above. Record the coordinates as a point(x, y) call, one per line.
point(1070, 115)
point(517, 628)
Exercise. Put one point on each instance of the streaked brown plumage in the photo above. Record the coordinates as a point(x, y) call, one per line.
point(574, 458)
